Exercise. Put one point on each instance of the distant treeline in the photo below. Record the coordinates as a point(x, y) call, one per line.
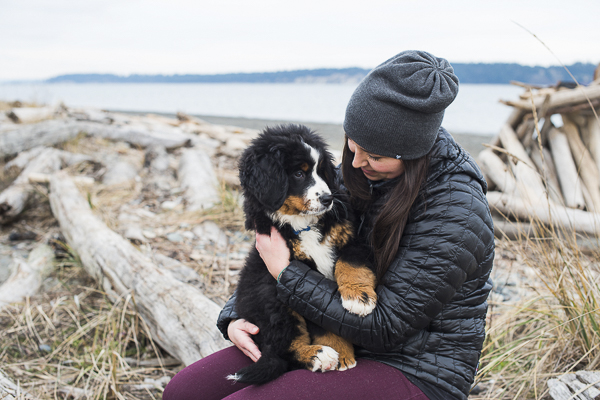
point(497, 73)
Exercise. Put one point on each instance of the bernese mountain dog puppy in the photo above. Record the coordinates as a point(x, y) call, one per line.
point(288, 180)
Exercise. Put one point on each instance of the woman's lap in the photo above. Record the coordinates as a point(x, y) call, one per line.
point(206, 380)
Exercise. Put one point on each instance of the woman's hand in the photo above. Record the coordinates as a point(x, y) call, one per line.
point(239, 331)
point(274, 251)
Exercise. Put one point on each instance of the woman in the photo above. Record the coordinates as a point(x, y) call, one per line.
point(425, 215)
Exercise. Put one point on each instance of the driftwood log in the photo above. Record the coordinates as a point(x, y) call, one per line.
point(27, 276)
point(559, 99)
point(588, 171)
point(567, 174)
point(13, 199)
point(45, 133)
point(10, 390)
point(181, 319)
point(24, 115)
point(497, 171)
point(48, 133)
point(550, 214)
point(197, 177)
point(529, 184)
point(580, 385)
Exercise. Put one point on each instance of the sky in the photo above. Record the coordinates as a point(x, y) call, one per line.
point(44, 38)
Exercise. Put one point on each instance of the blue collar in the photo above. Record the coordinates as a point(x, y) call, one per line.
point(299, 231)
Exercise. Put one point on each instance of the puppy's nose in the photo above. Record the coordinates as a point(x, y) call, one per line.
point(326, 199)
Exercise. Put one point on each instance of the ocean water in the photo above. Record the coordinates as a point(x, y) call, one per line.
point(476, 109)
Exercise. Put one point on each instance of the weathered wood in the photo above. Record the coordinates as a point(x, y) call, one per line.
point(495, 169)
point(13, 199)
point(561, 98)
point(198, 179)
point(17, 164)
point(543, 161)
point(27, 276)
point(529, 183)
point(51, 132)
point(181, 319)
point(25, 115)
point(139, 135)
point(588, 171)
point(550, 214)
point(566, 171)
point(580, 390)
point(45, 133)
point(589, 377)
point(11, 391)
point(559, 390)
point(593, 139)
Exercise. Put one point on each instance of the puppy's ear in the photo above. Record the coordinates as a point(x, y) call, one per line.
point(264, 177)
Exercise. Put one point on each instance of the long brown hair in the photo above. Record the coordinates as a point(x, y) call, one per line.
point(390, 222)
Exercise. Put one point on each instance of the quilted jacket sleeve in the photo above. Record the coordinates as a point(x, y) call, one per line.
point(226, 315)
point(445, 240)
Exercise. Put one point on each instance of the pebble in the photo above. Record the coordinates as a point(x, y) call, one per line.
point(188, 235)
point(45, 348)
point(175, 237)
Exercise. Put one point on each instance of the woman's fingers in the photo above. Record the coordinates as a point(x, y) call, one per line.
point(240, 332)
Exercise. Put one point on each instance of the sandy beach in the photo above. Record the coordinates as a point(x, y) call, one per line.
point(334, 133)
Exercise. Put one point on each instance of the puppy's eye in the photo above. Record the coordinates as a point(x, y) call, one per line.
point(299, 174)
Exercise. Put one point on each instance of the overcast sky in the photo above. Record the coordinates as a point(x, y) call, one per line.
point(44, 38)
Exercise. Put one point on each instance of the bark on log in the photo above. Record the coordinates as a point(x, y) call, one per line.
point(551, 214)
point(27, 276)
point(588, 171)
point(566, 170)
point(198, 179)
point(529, 183)
point(181, 319)
point(497, 171)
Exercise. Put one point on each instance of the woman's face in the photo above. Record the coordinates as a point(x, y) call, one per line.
point(375, 167)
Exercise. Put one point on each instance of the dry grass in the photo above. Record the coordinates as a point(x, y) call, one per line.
point(554, 331)
point(72, 339)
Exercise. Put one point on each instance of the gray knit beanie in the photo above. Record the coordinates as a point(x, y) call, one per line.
point(397, 109)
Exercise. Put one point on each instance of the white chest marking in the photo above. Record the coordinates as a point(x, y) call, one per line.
point(323, 254)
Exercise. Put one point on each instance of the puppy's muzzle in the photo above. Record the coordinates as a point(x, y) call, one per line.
point(326, 200)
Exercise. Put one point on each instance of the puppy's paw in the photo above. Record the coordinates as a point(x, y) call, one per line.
point(325, 359)
point(360, 301)
point(346, 363)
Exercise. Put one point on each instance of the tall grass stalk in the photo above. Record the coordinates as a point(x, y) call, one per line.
point(555, 332)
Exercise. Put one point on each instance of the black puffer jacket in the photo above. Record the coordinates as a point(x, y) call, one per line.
point(430, 317)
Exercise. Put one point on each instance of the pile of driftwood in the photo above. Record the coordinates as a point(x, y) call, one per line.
point(185, 163)
point(544, 165)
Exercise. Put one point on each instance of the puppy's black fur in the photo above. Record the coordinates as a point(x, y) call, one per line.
point(289, 181)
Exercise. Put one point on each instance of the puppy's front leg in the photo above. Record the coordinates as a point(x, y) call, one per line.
point(356, 284)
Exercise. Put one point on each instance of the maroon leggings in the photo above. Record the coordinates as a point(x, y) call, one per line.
point(205, 380)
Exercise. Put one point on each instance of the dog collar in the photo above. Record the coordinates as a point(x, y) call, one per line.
point(299, 231)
